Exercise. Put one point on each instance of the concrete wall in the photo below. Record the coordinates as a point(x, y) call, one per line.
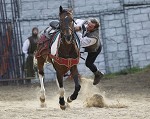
point(125, 29)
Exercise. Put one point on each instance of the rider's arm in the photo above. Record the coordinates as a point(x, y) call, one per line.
point(25, 46)
point(86, 41)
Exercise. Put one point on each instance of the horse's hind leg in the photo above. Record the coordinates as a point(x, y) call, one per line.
point(40, 63)
point(74, 73)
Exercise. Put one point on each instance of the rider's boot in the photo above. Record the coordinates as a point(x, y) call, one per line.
point(98, 76)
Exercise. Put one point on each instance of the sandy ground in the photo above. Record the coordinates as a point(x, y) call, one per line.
point(128, 97)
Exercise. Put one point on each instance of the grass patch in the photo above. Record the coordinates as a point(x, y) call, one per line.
point(127, 71)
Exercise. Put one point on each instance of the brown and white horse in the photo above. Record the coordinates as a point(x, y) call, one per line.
point(65, 59)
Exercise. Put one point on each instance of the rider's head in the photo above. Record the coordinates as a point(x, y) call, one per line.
point(93, 24)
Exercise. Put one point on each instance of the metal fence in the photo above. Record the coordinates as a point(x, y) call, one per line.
point(11, 56)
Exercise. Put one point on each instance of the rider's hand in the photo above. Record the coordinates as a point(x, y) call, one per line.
point(77, 28)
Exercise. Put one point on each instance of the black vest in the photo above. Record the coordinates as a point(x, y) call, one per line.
point(33, 44)
point(94, 47)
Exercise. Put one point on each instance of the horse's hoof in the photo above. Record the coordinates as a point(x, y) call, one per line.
point(43, 105)
point(69, 100)
point(63, 107)
point(42, 100)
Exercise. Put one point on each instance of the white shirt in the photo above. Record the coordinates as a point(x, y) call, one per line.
point(25, 47)
point(84, 41)
point(79, 22)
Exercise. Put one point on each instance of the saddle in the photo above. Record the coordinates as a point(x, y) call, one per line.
point(54, 24)
point(48, 44)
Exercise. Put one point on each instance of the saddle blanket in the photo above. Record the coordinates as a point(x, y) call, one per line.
point(55, 44)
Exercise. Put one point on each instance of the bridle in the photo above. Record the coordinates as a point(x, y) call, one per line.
point(64, 26)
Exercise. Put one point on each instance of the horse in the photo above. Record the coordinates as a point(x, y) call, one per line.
point(65, 59)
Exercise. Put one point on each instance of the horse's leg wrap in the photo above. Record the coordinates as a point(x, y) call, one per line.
point(61, 92)
point(61, 101)
point(61, 98)
point(75, 93)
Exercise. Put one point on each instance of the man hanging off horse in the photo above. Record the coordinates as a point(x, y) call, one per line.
point(88, 33)
point(29, 47)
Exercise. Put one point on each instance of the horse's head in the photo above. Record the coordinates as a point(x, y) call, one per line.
point(66, 24)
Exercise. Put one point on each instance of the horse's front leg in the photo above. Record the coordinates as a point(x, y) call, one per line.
point(42, 91)
point(74, 73)
point(61, 91)
point(40, 62)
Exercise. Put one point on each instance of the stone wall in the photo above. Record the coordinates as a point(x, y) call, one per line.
point(138, 32)
point(114, 36)
point(125, 29)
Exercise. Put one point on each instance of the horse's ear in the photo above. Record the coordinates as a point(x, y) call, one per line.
point(60, 9)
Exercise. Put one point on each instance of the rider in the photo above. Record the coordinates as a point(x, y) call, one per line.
point(88, 33)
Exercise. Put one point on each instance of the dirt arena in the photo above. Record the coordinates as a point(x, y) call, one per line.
point(125, 97)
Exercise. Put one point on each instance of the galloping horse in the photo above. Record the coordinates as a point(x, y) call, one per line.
point(65, 59)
